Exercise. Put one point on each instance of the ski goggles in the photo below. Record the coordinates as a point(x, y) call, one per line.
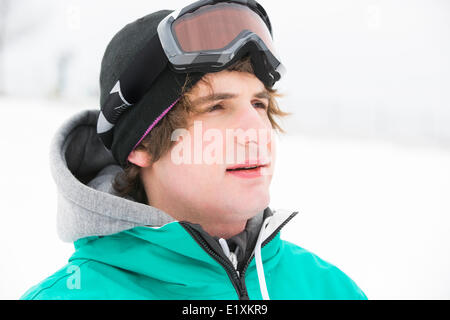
point(206, 36)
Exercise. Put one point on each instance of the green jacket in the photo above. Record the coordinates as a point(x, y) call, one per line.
point(170, 263)
point(129, 250)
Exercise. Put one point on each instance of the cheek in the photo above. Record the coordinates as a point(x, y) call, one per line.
point(273, 147)
point(188, 180)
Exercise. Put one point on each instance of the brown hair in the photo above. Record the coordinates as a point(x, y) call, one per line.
point(128, 183)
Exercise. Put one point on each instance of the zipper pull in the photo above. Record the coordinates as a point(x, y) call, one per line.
point(232, 256)
point(233, 259)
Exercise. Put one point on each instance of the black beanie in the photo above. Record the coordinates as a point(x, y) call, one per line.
point(136, 122)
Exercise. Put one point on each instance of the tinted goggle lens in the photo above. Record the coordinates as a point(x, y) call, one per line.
point(214, 27)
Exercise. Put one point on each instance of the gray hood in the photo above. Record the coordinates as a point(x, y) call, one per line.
point(83, 170)
point(87, 205)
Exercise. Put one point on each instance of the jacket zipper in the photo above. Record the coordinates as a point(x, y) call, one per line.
point(237, 281)
point(264, 243)
point(232, 273)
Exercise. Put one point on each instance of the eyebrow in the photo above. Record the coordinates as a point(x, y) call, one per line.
point(224, 96)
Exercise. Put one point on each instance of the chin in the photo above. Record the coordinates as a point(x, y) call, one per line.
point(248, 205)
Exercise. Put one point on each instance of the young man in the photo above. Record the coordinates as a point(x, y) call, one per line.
point(165, 192)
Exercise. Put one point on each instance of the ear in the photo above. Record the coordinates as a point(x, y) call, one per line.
point(140, 158)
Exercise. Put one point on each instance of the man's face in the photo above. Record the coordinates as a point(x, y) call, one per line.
point(231, 129)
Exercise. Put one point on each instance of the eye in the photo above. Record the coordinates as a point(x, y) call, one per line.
point(261, 105)
point(216, 107)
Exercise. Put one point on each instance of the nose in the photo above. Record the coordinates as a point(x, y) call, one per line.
point(249, 118)
point(253, 132)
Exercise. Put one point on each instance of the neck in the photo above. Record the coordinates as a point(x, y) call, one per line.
point(223, 230)
point(213, 227)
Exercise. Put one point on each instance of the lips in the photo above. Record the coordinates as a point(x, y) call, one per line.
point(247, 166)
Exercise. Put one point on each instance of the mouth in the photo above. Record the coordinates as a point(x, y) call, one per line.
point(247, 167)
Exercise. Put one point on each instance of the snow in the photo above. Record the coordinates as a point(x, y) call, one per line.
point(377, 210)
point(29, 245)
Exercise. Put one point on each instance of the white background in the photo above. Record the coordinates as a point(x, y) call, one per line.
point(366, 160)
